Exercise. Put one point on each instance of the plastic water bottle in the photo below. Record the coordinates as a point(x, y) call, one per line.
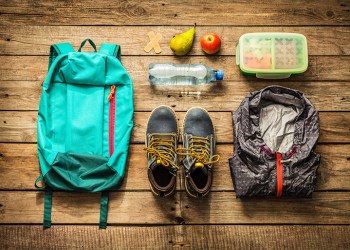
point(182, 74)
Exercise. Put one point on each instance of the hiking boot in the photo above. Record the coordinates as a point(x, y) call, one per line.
point(161, 143)
point(199, 148)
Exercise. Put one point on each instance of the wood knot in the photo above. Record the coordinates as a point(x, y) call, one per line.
point(180, 220)
point(132, 9)
point(182, 244)
point(330, 13)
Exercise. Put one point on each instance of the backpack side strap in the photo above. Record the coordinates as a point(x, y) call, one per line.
point(58, 49)
point(103, 210)
point(47, 207)
point(110, 49)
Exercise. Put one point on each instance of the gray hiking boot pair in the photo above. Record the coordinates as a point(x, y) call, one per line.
point(198, 151)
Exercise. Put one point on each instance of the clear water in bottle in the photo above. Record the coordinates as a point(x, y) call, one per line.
point(182, 74)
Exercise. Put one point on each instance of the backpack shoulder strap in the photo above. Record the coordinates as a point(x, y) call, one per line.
point(58, 49)
point(110, 49)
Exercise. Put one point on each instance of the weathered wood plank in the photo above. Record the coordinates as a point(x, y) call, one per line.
point(224, 208)
point(20, 95)
point(144, 208)
point(20, 162)
point(83, 208)
point(25, 95)
point(179, 12)
point(186, 236)
point(33, 40)
point(18, 126)
point(321, 68)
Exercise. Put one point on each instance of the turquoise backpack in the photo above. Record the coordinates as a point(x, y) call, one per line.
point(84, 123)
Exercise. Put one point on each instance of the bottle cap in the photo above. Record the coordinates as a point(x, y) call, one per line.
point(219, 75)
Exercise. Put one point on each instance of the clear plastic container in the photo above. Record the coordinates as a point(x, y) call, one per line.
point(182, 74)
point(272, 55)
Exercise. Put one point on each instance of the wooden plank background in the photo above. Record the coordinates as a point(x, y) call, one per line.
point(168, 237)
point(137, 219)
point(180, 12)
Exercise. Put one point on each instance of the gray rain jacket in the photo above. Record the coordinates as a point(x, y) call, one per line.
point(276, 130)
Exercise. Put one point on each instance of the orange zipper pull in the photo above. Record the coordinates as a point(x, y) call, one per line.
point(279, 174)
point(111, 93)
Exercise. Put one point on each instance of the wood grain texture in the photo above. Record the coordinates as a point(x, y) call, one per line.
point(179, 236)
point(36, 40)
point(224, 208)
point(321, 68)
point(84, 208)
point(20, 162)
point(180, 12)
point(20, 126)
point(25, 95)
point(144, 208)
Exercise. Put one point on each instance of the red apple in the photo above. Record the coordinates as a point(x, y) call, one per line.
point(211, 43)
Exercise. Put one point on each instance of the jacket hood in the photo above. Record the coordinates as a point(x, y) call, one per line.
point(248, 116)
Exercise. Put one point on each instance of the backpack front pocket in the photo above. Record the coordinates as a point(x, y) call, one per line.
point(84, 122)
point(82, 172)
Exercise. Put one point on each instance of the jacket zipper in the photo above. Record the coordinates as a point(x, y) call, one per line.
point(111, 98)
point(279, 174)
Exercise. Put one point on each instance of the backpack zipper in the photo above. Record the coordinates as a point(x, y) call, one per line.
point(111, 98)
point(279, 174)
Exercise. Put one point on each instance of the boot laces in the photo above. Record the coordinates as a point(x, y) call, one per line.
point(162, 147)
point(199, 149)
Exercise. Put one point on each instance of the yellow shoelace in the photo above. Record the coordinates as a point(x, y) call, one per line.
point(162, 147)
point(200, 150)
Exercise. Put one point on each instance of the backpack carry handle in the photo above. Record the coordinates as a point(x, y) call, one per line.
point(91, 43)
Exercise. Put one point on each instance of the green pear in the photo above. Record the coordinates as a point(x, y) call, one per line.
point(181, 44)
